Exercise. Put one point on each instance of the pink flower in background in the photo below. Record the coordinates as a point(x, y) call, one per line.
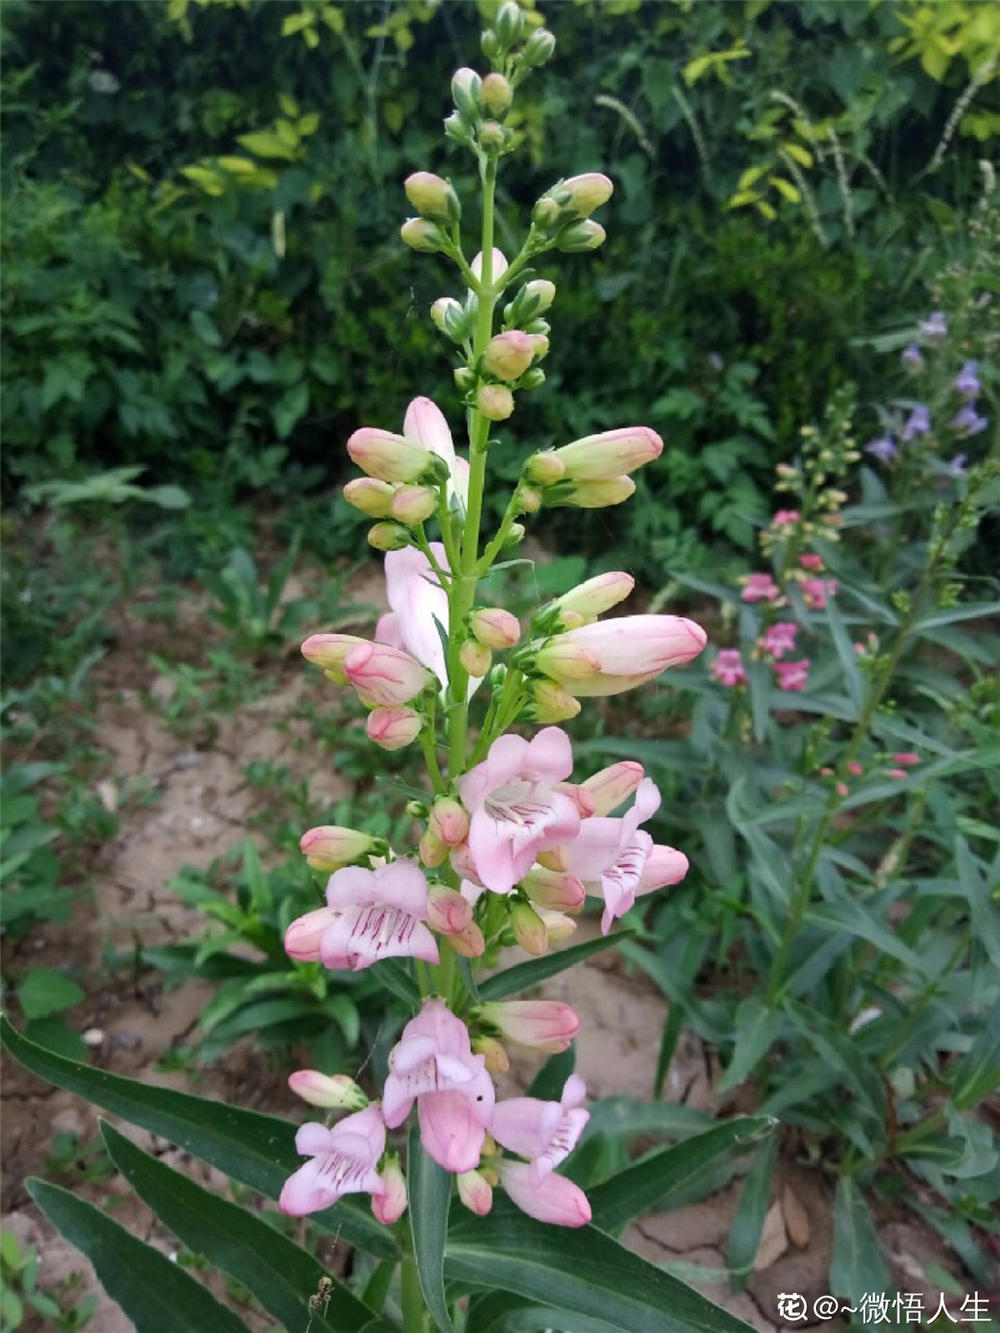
point(553, 1199)
point(855, 769)
point(433, 1064)
point(811, 561)
point(898, 773)
point(779, 639)
point(786, 518)
point(759, 588)
point(792, 675)
point(343, 1160)
point(543, 1132)
point(816, 591)
point(728, 668)
point(906, 757)
point(515, 807)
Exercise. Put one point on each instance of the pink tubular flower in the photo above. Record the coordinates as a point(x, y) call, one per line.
point(728, 668)
point(612, 454)
point(370, 914)
point(425, 425)
point(759, 588)
point(811, 561)
point(792, 675)
point(779, 639)
point(390, 1206)
point(433, 1063)
point(543, 1025)
point(610, 787)
point(515, 807)
point(615, 655)
point(855, 769)
point(816, 591)
point(611, 856)
point(786, 518)
point(389, 457)
point(384, 676)
point(906, 757)
point(342, 1161)
point(544, 1132)
point(554, 1199)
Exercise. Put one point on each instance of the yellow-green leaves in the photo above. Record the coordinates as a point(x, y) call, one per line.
point(714, 62)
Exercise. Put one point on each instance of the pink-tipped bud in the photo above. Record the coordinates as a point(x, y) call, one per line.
point(855, 769)
point(841, 789)
point(393, 728)
point(581, 236)
point(468, 942)
point(558, 926)
point(508, 355)
point(303, 936)
point(544, 1025)
point(597, 595)
point(475, 1193)
point(389, 1206)
point(371, 496)
point(496, 94)
point(578, 795)
point(328, 652)
point(329, 846)
point(495, 401)
point(385, 676)
point(610, 656)
point(447, 911)
point(475, 658)
point(334, 1092)
point(529, 928)
point(906, 758)
point(552, 703)
point(609, 788)
point(553, 889)
point(585, 193)
point(898, 774)
point(611, 454)
point(529, 500)
point(433, 852)
point(413, 504)
point(449, 821)
point(422, 235)
point(389, 457)
point(432, 197)
point(495, 628)
point(497, 1061)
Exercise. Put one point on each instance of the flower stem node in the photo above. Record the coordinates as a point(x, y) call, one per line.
point(388, 537)
point(334, 1092)
point(432, 197)
point(393, 728)
point(508, 355)
point(420, 234)
point(496, 94)
point(330, 846)
point(495, 401)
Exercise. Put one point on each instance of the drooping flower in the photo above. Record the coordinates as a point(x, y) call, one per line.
point(544, 1132)
point(554, 1199)
point(917, 423)
point(759, 588)
point(728, 668)
point(792, 675)
point(610, 656)
point(816, 592)
point(516, 809)
point(779, 639)
point(433, 1064)
point(935, 326)
point(343, 1160)
point(967, 380)
point(967, 421)
point(884, 449)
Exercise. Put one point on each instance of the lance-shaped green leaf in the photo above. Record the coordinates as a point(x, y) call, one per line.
point(650, 1182)
point(524, 975)
point(583, 1271)
point(157, 1295)
point(429, 1189)
point(748, 1223)
point(278, 1272)
point(857, 1265)
point(255, 1149)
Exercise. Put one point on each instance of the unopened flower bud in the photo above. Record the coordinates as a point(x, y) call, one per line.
point(334, 1092)
point(457, 128)
point(539, 48)
point(597, 595)
point(546, 1025)
point(465, 85)
point(613, 785)
point(371, 496)
point(551, 703)
point(508, 355)
point(394, 727)
point(449, 821)
point(533, 299)
point(303, 936)
point(515, 535)
point(450, 318)
point(490, 44)
point(528, 499)
point(385, 676)
point(495, 628)
point(558, 926)
point(433, 851)
point(583, 235)
point(432, 197)
point(545, 468)
point(533, 378)
point(475, 658)
point(496, 94)
point(469, 943)
point(388, 537)
point(554, 890)
point(599, 494)
point(465, 379)
point(389, 1206)
point(491, 136)
point(413, 504)
point(585, 193)
point(539, 346)
point(497, 1061)
point(328, 652)
point(420, 234)
point(546, 214)
point(495, 401)
point(329, 847)
point(447, 911)
point(416, 809)
point(474, 1192)
point(509, 23)
point(390, 457)
point(529, 928)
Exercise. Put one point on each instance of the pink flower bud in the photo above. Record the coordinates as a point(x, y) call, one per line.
point(468, 942)
point(304, 934)
point(495, 627)
point(390, 1206)
point(433, 852)
point(544, 1025)
point(476, 659)
point(334, 1092)
point(383, 675)
point(598, 594)
point(496, 94)
point(855, 769)
point(615, 655)
point(841, 789)
point(393, 728)
point(898, 773)
point(495, 401)
point(545, 468)
point(612, 786)
point(329, 846)
point(389, 457)
point(412, 504)
point(508, 355)
point(371, 496)
point(328, 651)
point(432, 197)
point(420, 234)
point(475, 1193)
point(553, 889)
point(906, 757)
point(496, 1058)
point(529, 928)
point(551, 703)
point(612, 454)
point(447, 911)
point(449, 820)
point(599, 494)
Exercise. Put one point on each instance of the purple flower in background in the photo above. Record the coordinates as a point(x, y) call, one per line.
point(912, 357)
point(967, 421)
point(967, 381)
point(956, 466)
point(884, 449)
point(918, 423)
point(935, 326)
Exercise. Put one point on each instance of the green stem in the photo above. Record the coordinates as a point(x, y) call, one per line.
point(415, 1317)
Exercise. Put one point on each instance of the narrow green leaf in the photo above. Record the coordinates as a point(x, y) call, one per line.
point(394, 976)
point(760, 698)
point(547, 1084)
point(985, 916)
point(857, 1265)
point(853, 679)
point(524, 975)
point(650, 1182)
point(255, 1149)
point(279, 1273)
point(429, 1188)
point(757, 1026)
point(583, 1271)
point(748, 1223)
point(158, 1296)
